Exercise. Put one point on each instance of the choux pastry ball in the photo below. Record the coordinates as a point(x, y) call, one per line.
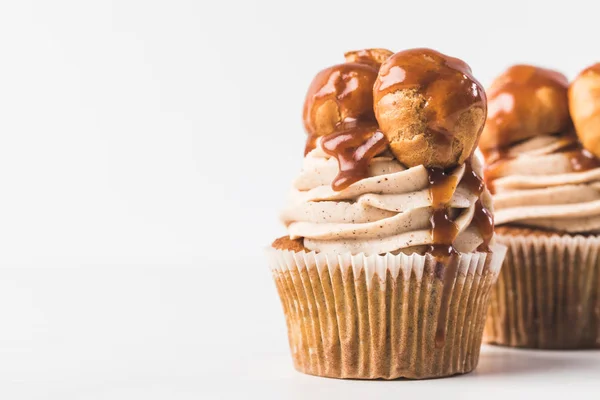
point(429, 107)
point(339, 94)
point(523, 102)
point(584, 104)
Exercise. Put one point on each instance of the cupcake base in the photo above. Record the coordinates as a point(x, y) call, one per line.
point(391, 316)
point(548, 292)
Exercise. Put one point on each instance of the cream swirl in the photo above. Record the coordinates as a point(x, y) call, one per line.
point(541, 183)
point(388, 211)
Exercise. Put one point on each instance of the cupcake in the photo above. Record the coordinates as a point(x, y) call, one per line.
point(390, 257)
point(546, 191)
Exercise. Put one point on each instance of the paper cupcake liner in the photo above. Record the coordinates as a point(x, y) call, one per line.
point(384, 316)
point(548, 294)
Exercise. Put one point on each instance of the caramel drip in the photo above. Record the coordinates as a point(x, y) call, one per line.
point(579, 158)
point(510, 99)
point(338, 94)
point(443, 229)
point(484, 221)
point(482, 217)
point(582, 160)
point(446, 83)
point(339, 108)
point(443, 232)
point(354, 148)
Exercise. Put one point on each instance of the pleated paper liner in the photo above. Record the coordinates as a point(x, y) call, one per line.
point(547, 295)
point(384, 316)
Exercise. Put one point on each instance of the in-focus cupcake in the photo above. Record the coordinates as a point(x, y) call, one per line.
point(390, 257)
point(546, 189)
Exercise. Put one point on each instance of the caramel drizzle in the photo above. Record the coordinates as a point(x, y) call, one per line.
point(355, 139)
point(444, 232)
point(482, 216)
point(579, 158)
point(446, 83)
point(443, 229)
point(354, 149)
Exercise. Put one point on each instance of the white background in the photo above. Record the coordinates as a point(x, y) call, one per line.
point(146, 149)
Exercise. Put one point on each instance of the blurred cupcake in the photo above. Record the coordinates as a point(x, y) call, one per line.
point(390, 257)
point(546, 189)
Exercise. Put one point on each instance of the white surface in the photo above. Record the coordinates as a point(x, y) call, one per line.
point(146, 149)
point(159, 333)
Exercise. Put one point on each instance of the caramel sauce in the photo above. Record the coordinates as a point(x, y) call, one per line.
point(484, 221)
point(337, 94)
point(339, 108)
point(580, 159)
point(354, 148)
point(472, 181)
point(482, 217)
point(509, 104)
point(446, 83)
point(443, 229)
point(443, 232)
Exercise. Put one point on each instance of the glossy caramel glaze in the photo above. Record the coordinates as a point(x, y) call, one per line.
point(339, 108)
point(446, 83)
point(482, 217)
point(443, 229)
point(523, 102)
point(582, 160)
point(354, 148)
point(338, 94)
point(443, 232)
point(579, 158)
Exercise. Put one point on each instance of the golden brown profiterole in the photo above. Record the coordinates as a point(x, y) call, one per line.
point(523, 102)
point(429, 107)
point(584, 104)
point(343, 93)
